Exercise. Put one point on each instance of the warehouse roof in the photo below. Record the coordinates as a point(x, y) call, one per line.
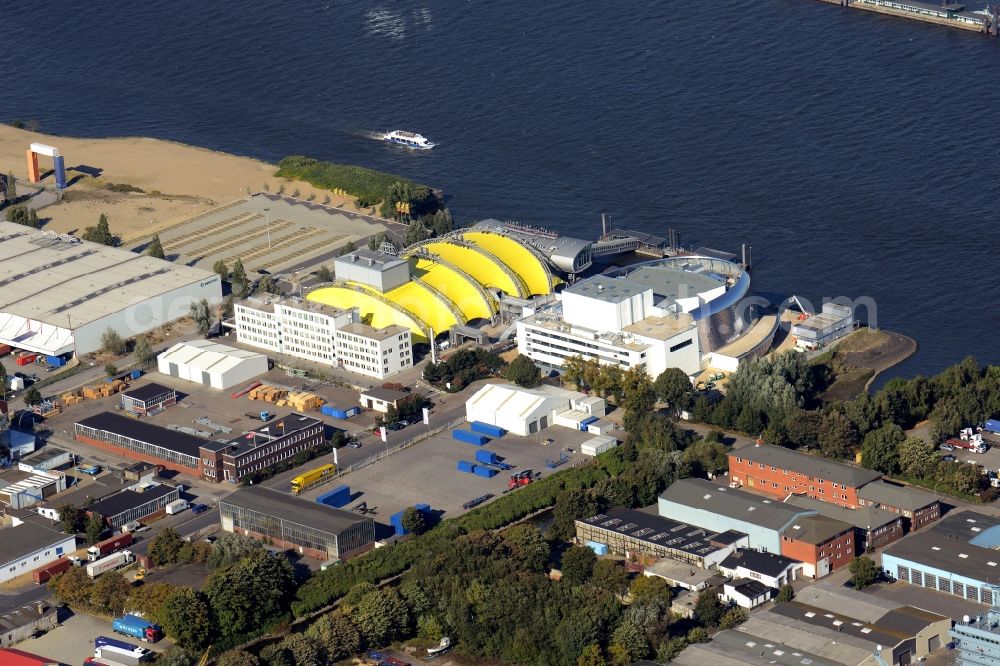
point(26, 538)
point(63, 281)
point(864, 518)
point(172, 440)
point(516, 400)
point(804, 463)
point(658, 531)
point(96, 490)
point(900, 497)
point(844, 624)
point(796, 636)
point(948, 545)
point(816, 530)
point(384, 394)
point(732, 503)
point(148, 392)
point(129, 499)
point(293, 509)
point(608, 289)
point(276, 429)
point(732, 648)
point(766, 564)
point(207, 356)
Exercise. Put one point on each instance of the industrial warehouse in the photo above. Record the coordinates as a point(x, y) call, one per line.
point(310, 528)
point(59, 294)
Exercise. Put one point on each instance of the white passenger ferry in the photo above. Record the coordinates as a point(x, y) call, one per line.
point(408, 139)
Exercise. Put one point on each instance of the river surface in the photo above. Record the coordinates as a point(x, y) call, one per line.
point(856, 153)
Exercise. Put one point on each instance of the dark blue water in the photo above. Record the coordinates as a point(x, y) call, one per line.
point(856, 153)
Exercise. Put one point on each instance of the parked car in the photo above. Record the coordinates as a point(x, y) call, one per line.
point(199, 508)
point(396, 426)
point(354, 445)
point(946, 447)
point(949, 458)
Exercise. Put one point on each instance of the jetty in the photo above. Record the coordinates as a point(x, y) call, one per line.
point(950, 14)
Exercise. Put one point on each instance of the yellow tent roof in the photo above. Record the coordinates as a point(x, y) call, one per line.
point(374, 311)
point(455, 287)
point(517, 257)
point(425, 304)
point(479, 265)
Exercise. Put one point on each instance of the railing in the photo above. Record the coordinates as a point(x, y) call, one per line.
point(387, 450)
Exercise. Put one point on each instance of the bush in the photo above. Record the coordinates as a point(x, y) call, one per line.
point(368, 186)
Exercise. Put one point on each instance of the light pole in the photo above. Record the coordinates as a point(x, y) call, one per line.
point(267, 224)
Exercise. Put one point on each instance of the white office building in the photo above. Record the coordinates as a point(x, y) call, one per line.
point(671, 313)
point(27, 546)
point(292, 326)
point(375, 352)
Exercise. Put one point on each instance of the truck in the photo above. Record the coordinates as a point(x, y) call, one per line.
point(967, 442)
point(108, 546)
point(44, 574)
point(259, 416)
point(176, 507)
point(105, 641)
point(992, 425)
point(137, 627)
point(110, 563)
point(126, 657)
point(92, 470)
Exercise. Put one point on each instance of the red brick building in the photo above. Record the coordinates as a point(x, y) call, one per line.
point(917, 507)
point(779, 472)
point(822, 544)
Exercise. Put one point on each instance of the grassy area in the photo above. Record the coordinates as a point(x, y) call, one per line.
point(370, 187)
point(857, 358)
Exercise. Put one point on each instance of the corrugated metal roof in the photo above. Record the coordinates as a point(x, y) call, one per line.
point(208, 356)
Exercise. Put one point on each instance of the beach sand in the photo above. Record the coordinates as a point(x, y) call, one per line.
point(191, 180)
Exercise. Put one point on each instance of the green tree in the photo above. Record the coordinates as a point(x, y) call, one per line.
point(155, 248)
point(577, 565)
point(610, 575)
point(175, 656)
point(673, 387)
point(337, 634)
point(267, 285)
point(277, 655)
point(220, 268)
point(414, 521)
point(166, 547)
point(323, 274)
point(73, 587)
point(650, 587)
point(415, 233)
point(698, 635)
point(785, 593)
point(110, 369)
point(803, 428)
point(69, 519)
point(238, 658)
point(628, 644)
point(238, 279)
point(187, 619)
point(144, 355)
point(94, 528)
point(23, 215)
point(591, 656)
point(149, 598)
point(571, 505)
point(670, 649)
point(707, 457)
point(864, 572)
point(201, 313)
point(101, 233)
point(916, 457)
point(523, 372)
point(382, 617)
point(837, 436)
point(708, 610)
point(880, 450)
point(110, 593)
point(33, 396)
point(305, 650)
point(375, 242)
point(112, 343)
point(11, 187)
point(250, 595)
point(442, 222)
point(733, 617)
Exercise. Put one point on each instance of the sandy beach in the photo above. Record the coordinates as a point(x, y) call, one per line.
point(179, 181)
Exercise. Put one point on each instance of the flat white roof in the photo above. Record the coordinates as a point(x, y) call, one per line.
point(208, 356)
point(66, 282)
point(518, 401)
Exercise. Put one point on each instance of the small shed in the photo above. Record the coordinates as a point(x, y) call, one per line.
point(746, 593)
point(380, 399)
point(149, 399)
point(597, 445)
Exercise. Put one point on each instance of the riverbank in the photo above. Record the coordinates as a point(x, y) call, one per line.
point(860, 358)
point(178, 181)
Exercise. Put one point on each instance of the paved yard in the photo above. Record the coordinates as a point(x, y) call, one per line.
point(73, 641)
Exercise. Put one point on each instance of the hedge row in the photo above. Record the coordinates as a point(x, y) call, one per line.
point(367, 185)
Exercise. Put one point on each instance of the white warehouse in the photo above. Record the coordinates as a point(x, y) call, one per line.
point(59, 294)
point(211, 364)
point(524, 411)
point(27, 546)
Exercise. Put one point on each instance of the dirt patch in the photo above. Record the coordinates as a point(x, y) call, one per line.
point(861, 357)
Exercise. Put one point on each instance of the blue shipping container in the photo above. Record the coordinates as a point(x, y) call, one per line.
point(338, 413)
point(487, 472)
point(396, 520)
point(586, 422)
point(598, 548)
point(337, 497)
point(484, 456)
point(56, 361)
point(469, 437)
point(992, 425)
point(487, 429)
point(136, 374)
point(464, 466)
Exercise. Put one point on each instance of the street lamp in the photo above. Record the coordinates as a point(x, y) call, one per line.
point(267, 224)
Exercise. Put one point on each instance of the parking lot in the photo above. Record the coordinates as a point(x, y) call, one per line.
point(73, 640)
point(426, 472)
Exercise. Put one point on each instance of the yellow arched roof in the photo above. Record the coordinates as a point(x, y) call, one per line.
point(374, 311)
point(481, 267)
point(454, 286)
point(517, 257)
point(425, 304)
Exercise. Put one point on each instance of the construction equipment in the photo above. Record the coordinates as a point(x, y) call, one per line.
point(552, 464)
point(262, 415)
point(242, 392)
point(522, 478)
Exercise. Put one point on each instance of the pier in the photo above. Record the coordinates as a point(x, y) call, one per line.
point(950, 14)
